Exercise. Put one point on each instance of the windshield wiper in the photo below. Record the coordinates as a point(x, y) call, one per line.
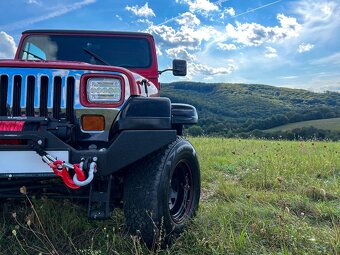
point(32, 54)
point(96, 56)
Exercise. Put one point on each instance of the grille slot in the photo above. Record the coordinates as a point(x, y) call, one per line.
point(56, 97)
point(35, 94)
point(30, 96)
point(3, 94)
point(16, 95)
point(70, 99)
point(43, 96)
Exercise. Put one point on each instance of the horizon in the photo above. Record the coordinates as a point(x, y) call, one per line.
point(255, 84)
point(226, 41)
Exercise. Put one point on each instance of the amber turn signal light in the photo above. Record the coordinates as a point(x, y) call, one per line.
point(93, 122)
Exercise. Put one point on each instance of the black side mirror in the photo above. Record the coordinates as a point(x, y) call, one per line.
point(179, 67)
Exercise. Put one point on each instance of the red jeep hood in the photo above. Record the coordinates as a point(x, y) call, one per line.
point(72, 65)
point(59, 64)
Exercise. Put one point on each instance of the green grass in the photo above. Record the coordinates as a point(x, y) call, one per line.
point(258, 197)
point(325, 124)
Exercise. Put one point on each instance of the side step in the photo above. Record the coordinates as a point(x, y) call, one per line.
point(99, 199)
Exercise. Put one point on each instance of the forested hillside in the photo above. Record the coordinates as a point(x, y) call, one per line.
point(227, 109)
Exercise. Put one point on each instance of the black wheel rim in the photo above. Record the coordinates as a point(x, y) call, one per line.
point(180, 192)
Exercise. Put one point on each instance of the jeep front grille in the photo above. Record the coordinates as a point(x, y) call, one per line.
point(37, 95)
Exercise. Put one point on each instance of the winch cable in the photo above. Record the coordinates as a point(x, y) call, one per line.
point(61, 168)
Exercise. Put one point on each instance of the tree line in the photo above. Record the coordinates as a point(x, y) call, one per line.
point(247, 110)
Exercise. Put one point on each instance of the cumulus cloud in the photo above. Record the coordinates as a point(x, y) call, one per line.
point(143, 11)
point(7, 45)
point(253, 34)
point(181, 53)
point(168, 36)
point(227, 12)
point(226, 46)
point(188, 19)
point(208, 70)
point(270, 52)
point(188, 36)
point(304, 47)
point(202, 6)
point(188, 40)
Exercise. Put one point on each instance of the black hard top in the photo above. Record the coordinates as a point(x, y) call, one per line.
point(60, 31)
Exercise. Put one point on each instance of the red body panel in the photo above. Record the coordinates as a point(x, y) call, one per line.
point(72, 66)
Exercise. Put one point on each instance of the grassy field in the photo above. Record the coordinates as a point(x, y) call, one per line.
point(326, 124)
point(258, 197)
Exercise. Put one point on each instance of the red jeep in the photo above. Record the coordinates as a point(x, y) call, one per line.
point(81, 116)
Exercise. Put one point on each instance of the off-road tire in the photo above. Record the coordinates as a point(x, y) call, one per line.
point(161, 193)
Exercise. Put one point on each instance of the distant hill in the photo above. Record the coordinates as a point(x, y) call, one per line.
point(225, 107)
point(325, 124)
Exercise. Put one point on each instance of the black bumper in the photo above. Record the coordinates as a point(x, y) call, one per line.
point(128, 147)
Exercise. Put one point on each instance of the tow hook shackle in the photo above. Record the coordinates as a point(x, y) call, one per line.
point(79, 168)
point(61, 170)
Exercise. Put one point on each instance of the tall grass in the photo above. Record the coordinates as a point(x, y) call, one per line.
point(258, 197)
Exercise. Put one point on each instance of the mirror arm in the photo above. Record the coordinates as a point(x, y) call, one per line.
point(165, 70)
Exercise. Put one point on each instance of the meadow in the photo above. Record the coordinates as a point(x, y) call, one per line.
point(332, 124)
point(258, 197)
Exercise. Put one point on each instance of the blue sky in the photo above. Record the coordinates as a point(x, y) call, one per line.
point(282, 43)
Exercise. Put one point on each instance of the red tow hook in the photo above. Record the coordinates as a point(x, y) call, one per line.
point(60, 170)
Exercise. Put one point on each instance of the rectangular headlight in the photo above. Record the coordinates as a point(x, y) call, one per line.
point(104, 90)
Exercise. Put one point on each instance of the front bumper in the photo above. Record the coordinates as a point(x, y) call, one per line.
point(126, 148)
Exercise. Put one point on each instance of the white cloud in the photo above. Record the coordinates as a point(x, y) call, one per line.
point(188, 36)
point(208, 70)
point(7, 46)
point(288, 77)
point(181, 53)
point(320, 19)
point(53, 12)
point(229, 11)
point(202, 6)
point(145, 21)
point(253, 34)
point(187, 41)
point(226, 46)
point(188, 19)
point(317, 12)
point(169, 37)
point(158, 51)
point(118, 17)
point(304, 47)
point(143, 11)
point(270, 52)
point(32, 2)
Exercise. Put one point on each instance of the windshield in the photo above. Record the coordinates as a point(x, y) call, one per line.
point(124, 51)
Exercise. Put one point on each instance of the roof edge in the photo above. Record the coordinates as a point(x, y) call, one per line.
point(66, 31)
